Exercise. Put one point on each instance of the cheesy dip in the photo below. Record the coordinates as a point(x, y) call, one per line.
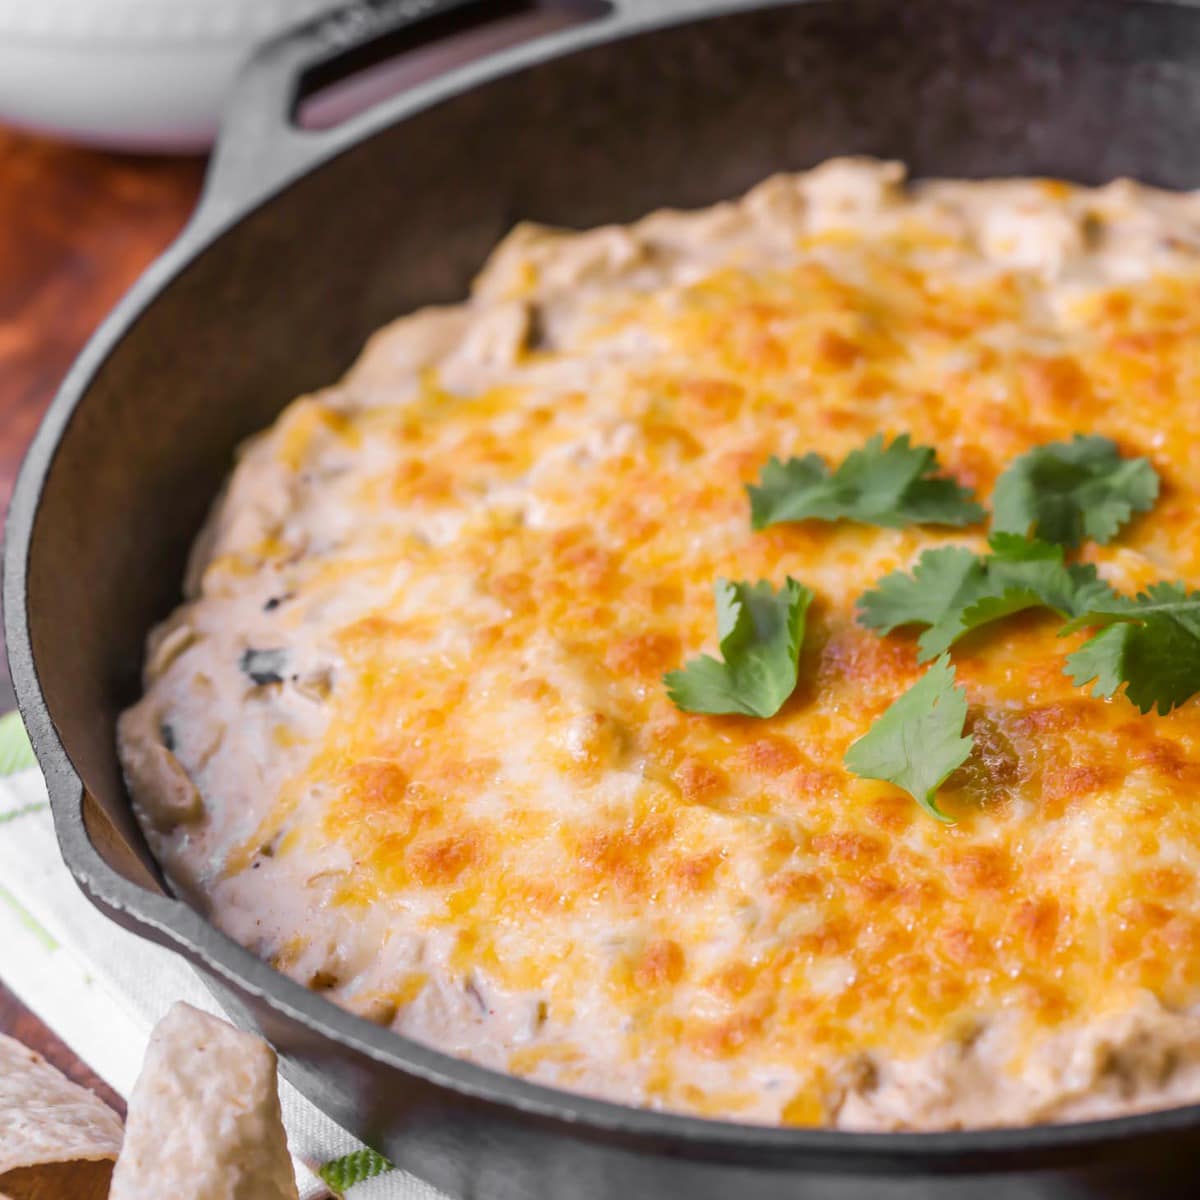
point(408, 740)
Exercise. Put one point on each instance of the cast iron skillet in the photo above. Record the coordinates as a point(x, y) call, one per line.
point(304, 243)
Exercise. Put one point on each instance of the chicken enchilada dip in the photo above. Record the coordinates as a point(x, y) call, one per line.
point(737, 663)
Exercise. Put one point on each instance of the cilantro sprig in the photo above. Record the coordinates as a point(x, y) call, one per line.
point(918, 742)
point(890, 485)
point(1149, 643)
point(952, 590)
point(1064, 492)
point(1046, 502)
point(760, 631)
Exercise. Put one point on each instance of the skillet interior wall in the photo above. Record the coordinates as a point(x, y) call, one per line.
point(1086, 89)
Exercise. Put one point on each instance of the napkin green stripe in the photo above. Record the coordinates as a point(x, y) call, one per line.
point(343, 1173)
point(28, 919)
point(15, 751)
point(23, 811)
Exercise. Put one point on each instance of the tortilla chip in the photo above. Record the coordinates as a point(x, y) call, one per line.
point(204, 1120)
point(51, 1130)
point(45, 1118)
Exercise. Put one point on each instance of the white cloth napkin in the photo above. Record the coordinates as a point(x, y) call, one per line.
point(102, 989)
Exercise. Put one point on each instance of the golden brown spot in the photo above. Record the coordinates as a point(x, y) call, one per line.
point(716, 399)
point(661, 963)
point(694, 874)
point(627, 856)
point(668, 435)
point(918, 894)
point(983, 868)
point(443, 861)
point(893, 813)
point(1048, 1001)
point(654, 596)
point(855, 656)
point(1036, 923)
point(540, 896)
point(1068, 784)
point(1166, 881)
point(814, 783)
point(834, 937)
point(735, 981)
point(1161, 756)
point(1117, 305)
point(470, 770)
point(662, 738)
point(418, 481)
point(835, 351)
point(849, 847)
point(961, 945)
point(594, 568)
point(1146, 914)
point(700, 783)
point(362, 635)
point(514, 590)
point(769, 755)
point(725, 1038)
point(870, 387)
point(763, 352)
point(795, 886)
point(1142, 342)
point(1056, 385)
point(971, 467)
point(1049, 718)
point(376, 785)
point(643, 654)
point(1181, 936)
point(872, 889)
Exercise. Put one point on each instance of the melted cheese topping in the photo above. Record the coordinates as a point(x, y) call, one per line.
point(408, 737)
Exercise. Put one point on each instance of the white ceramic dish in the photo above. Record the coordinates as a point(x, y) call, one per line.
point(131, 74)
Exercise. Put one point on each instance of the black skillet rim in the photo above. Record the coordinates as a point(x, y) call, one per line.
point(174, 924)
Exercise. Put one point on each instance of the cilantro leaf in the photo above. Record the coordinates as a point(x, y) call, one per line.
point(760, 631)
point(1064, 492)
point(893, 485)
point(953, 591)
point(917, 742)
point(1100, 658)
point(1150, 643)
point(943, 584)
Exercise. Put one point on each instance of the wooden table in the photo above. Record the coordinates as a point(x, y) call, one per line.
point(77, 227)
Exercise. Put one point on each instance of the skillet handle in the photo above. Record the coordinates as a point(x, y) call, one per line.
point(260, 145)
